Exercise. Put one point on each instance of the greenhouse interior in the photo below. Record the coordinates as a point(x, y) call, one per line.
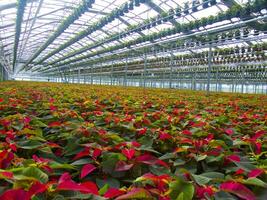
point(133, 99)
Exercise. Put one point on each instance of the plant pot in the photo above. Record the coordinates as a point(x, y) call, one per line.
point(186, 8)
point(165, 19)
point(256, 32)
point(131, 6)
point(171, 14)
point(195, 4)
point(213, 2)
point(205, 4)
point(194, 9)
point(178, 12)
point(137, 3)
point(237, 35)
point(186, 12)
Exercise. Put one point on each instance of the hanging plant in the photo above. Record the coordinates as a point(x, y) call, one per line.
point(257, 47)
point(131, 5)
point(230, 35)
point(237, 34)
point(243, 50)
point(246, 10)
point(216, 38)
point(235, 11)
point(164, 16)
point(186, 8)
point(204, 21)
point(191, 25)
point(164, 33)
point(256, 32)
point(195, 4)
point(151, 39)
point(178, 28)
point(159, 20)
point(154, 23)
point(148, 26)
point(205, 4)
point(223, 37)
point(213, 2)
point(178, 11)
point(121, 13)
point(236, 50)
point(228, 14)
point(126, 8)
point(143, 27)
point(171, 14)
point(197, 24)
point(245, 32)
point(210, 39)
point(220, 17)
point(210, 20)
point(259, 5)
point(137, 3)
point(169, 32)
point(232, 51)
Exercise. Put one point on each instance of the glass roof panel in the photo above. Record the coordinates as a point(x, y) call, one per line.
point(43, 17)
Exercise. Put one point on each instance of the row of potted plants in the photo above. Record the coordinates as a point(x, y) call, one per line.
point(157, 63)
point(164, 64)
point(252, 69)
point(225, 55)
point(62, 141)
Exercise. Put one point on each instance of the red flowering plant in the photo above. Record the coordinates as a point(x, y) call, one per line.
point(60, 141)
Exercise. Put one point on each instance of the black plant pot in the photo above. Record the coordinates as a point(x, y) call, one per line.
point(256, 32)
point(131, 6)
point(165, 19)
point(178, 12)
point(213, 2)
point(137, 3)
point(205, 5)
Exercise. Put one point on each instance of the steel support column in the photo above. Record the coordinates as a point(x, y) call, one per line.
point(125, 73)
point(209, 70)
point(145, 71)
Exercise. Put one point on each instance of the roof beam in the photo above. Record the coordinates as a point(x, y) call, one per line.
point(49, 13)
point(19, 20)
point(30, 29)
point(12, 5)
point(158, 9)
point(128, 24)
point(97, 12)
point(75, 14)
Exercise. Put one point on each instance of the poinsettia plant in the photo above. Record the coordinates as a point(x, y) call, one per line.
point(60, 141)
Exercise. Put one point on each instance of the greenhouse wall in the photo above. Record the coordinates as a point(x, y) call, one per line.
point(232, 85)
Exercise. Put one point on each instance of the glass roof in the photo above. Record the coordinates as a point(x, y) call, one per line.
point(43, 17)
